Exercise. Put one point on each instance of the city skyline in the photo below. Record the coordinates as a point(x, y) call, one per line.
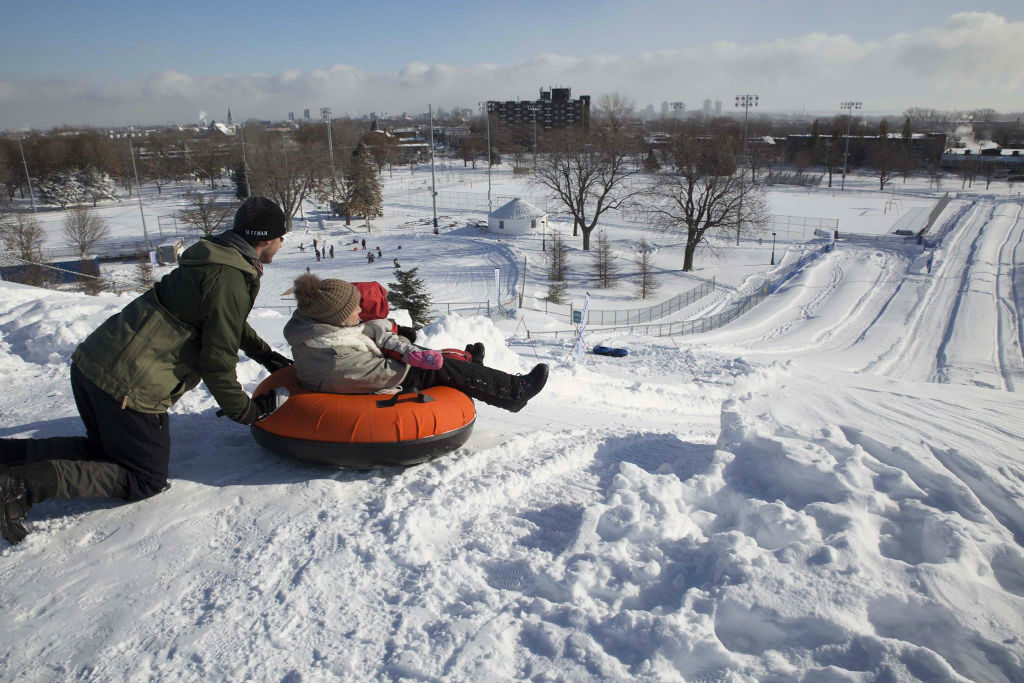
point(810, 62)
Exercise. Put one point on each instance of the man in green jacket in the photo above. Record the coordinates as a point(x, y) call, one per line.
point(132, 368)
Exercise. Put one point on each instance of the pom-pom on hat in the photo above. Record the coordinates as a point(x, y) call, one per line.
point(259, 219)
point(326, 301)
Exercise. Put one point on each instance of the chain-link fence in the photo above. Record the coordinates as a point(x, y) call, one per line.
point(707, 323)
point(800, 228)
point(623, 316)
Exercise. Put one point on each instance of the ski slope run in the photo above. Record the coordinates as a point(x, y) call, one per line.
point(872, 306)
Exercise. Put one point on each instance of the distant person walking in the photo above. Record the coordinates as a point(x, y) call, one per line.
point(379, 255)
point(332, 251)
point(363, 243)
point(369, 257)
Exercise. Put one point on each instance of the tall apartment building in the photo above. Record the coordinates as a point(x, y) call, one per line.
point(707, 107)
point(718, 107)
point(554, 109)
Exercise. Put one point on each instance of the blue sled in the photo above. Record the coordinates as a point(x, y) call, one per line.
point(610, 351)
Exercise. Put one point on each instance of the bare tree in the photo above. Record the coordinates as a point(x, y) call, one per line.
point(205, 214)
point(705, 193)
point(605, 266)
point(23, 237)
point(590, 172)
point(283, 173)
point(558, 257)
point(645, 285)
point(83, 228)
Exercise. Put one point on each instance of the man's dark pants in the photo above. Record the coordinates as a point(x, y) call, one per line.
point(138, 443)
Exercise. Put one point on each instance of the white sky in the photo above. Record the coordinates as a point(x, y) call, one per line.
point(966, 60)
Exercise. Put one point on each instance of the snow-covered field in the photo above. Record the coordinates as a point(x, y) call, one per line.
point(831, 488)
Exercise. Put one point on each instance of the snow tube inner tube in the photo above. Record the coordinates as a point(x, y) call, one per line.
point(363, 431)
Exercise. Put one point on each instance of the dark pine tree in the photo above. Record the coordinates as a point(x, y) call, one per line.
point(410, 293)
point(241, 182)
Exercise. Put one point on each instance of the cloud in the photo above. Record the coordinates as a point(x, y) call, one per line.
point(973, 59)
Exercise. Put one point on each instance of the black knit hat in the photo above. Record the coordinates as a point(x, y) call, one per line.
point(259, 219)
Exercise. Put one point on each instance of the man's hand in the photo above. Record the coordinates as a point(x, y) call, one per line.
point(274, 361)
point(259, 407)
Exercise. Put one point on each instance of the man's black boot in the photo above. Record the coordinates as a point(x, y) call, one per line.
point(529, 386)
point(21, 488)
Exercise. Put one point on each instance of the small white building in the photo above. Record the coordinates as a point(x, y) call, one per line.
point(517, 218)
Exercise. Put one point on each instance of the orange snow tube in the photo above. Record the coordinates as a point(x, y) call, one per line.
point(363, 430)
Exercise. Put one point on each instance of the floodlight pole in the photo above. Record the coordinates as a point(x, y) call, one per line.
point(27, 177)
point(245, 164)
point(487, 115)
point(849, 107)
point(433, 185)
point(138, 189)
point(745, 101)
point(773, 250)
point(325, 114)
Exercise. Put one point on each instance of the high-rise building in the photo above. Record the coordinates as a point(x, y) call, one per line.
point(718, 107)
point(664, 108)
point(305, 114)
point(554, 109)
point(707, 107)
point(291, 116)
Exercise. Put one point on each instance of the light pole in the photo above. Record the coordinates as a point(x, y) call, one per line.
point(138, 189)
point(31, 197)
point(325, 114)
point(772, 263)
point(676, 108)
point(433, 186)
point(533, 108)
point(487, 117)
point(745, 101)
point(849, 107)
point(245, 164)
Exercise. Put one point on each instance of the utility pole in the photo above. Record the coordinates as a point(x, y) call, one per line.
point(138, 189)
point(745, 101)
point(849, 107)
point(487, 115)
point(29, 178)
point(433, 185)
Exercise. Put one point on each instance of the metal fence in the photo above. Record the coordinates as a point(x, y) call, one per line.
point(624, 316)
point(707, 323)
point(800, 228)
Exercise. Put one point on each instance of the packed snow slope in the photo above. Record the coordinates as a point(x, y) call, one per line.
point(829, 489)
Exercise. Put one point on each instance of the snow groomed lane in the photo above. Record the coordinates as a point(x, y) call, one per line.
point(873, 306)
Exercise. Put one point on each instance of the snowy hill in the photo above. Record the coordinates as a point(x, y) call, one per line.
point(831, 488)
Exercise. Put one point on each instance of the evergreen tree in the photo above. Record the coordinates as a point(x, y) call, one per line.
point(409, 293)
point(62, 188)
point(241, 181)
point(96, 184)
point(651, 163)
point(364, 193)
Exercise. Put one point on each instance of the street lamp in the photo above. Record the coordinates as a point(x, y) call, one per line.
point(29, 178)
point(849, 107)
point(325, 114)
point(138, 189)
point(745, 101)
point(772, 263)
point(487, 116)
point(533, 109)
